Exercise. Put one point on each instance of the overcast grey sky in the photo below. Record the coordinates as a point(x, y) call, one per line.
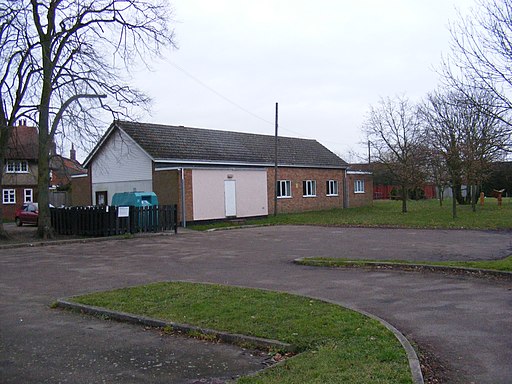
point(325, 62)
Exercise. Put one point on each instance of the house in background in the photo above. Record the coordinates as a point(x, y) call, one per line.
point(212, 174)
point(386, 187)
point(61, 170)
point(19, 182)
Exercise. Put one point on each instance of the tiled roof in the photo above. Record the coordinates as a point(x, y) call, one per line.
point(63, 168)
point(177, 143)
point(23, 143)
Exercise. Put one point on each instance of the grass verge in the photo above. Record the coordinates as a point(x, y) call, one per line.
point(421, 214)
point(493, 265)
point(336, 344)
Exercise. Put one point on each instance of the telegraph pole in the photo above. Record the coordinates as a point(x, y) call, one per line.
point(275, 165)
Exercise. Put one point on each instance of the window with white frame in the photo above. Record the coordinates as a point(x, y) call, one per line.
point(9, 196)
point(28, 195)
point(332, 187)
point(16, 166)
point(309, 188)
point(284, 188)
point(359, 186)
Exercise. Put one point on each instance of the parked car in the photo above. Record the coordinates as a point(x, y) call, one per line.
point(28, 213)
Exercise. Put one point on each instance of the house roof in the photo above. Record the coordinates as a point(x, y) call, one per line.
point(63, 168)
point(179, 144)
point(23, 143)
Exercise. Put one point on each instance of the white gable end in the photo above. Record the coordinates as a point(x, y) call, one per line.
point(120, 159)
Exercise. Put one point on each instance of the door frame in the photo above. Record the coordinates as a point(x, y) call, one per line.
point(230, 198)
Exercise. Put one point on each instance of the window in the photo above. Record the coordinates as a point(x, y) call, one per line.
point(101, 198)
point(284, 188)
point(359, 186)
point(332, 188)
point(28, 196)
point(9, 196)
point(309, 188)
point(16, 166)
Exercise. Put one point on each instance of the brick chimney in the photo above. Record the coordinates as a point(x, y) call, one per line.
point(72, 152)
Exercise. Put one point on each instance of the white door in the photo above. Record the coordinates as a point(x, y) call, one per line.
point(230, 197)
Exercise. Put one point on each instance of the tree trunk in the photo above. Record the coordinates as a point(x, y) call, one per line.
point(474, 198)
point(454, 202)
point(4, 140)
point(44, 229)
point(404, 199)
point(440, 190)
point(457, 194)
point(3, 232)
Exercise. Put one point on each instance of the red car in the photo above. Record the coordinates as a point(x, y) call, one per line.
point(28, 213)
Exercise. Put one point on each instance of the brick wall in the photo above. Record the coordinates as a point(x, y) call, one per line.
point(360, 199)
point(299, 203)
point(81, 191)
point(189, 202)
point(19, 182)
point(167, 186)
point(9, 210)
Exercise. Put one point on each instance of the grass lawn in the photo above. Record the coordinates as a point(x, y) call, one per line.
point(497, 265)
point(421, 214)
point(337, 345)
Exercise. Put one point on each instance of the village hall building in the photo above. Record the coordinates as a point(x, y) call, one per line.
point(213, 174)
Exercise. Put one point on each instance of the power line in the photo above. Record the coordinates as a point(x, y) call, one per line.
point(225, 98)
point(219, 94)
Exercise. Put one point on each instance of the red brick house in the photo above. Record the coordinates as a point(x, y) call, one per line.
point(212, 174)
point(19, 181)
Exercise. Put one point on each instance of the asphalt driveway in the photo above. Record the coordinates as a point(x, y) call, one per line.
point(465, 321)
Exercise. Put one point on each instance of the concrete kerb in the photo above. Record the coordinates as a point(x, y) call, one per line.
point(229, 338)
point(412, 357)
point(44, 243)
point(474, 272)
point(237, 339)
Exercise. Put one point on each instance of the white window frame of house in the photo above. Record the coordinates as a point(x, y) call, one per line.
point(8, 196)
point(16, 166)
point(28, 195)
point(359, 186)
point(284, 189)
point(332, 188)
point(309, 188)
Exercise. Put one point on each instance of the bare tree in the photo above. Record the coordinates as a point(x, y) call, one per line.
point(481, 58)
point(17, 72)
point(438, 172)
point(394, 130)
point(467, 138)
point(83, 50)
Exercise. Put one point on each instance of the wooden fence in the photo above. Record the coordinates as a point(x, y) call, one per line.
point(111, 220)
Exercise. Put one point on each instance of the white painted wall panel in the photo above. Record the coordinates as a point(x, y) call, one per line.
point(120, 166)
point(209, 193)
point(120, 159)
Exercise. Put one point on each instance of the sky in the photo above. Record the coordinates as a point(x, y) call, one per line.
point(325, 62)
